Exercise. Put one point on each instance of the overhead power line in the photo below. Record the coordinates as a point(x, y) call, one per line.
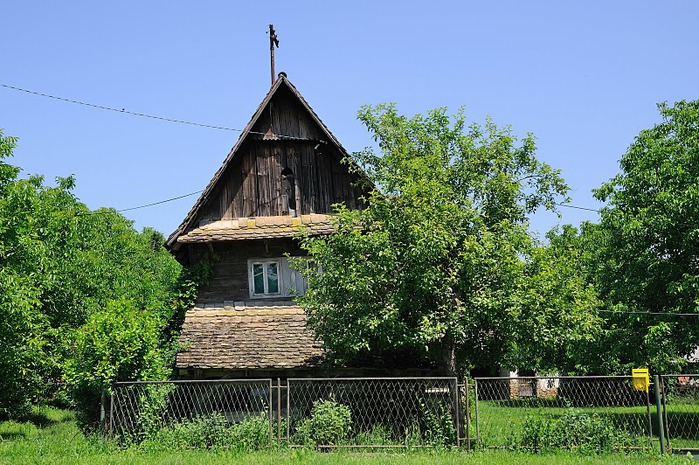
point(578, 208)
point(630, 312)
point(181, 121)
point(152, 204)
point(142, 115)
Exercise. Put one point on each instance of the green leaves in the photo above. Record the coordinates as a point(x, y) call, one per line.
point(646, 248)
point(61, 267)
point(121, 342)
point(436, 261)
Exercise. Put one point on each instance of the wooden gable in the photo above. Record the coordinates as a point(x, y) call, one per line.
point(285, 164)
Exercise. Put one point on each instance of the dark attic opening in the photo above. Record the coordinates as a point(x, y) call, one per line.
point(288, 183)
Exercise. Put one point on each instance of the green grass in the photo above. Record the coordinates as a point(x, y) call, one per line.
point(52, 437)
point(501, 421)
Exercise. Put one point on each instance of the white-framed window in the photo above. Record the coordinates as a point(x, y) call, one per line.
point(264, 278)
point(273, 277)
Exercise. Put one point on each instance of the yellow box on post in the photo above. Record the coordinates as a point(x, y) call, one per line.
point(641, 379)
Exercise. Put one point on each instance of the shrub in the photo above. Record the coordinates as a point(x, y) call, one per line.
point(252, 434)
point(211, 432)
point(202, 432)
point(329, 424)
point(376, 436)
point(438, 425)
point(575, 431)
point(122, 342)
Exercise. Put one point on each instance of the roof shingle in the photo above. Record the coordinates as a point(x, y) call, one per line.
point(269, 336)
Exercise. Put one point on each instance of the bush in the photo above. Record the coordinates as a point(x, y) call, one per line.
point(252, 434)
point(575, 431)
point(377, 435)
point(438, 425)
point(121, 342)
point(330, 423)
point(211, 432)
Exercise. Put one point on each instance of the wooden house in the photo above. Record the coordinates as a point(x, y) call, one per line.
point(284, 173)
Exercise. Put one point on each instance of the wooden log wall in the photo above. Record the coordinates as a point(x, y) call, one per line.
point(229, 279)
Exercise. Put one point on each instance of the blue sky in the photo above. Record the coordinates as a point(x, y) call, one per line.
point(583, 77)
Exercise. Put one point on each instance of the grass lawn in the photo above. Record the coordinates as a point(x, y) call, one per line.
point(52, 437)
point(500, 421)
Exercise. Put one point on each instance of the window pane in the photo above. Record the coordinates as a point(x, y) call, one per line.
point(258, 272)
point(272, 278)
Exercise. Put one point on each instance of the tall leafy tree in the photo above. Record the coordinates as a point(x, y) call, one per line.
point(559, 307)
point(61, 267)
point(645, 250)
point(21, 322)
point(437, 261)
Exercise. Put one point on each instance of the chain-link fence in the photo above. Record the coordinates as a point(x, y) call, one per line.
point(680, 406)
point(411, 412)
point(338, 412)
point(139, 409)
point(561, 412)
point(517, 412)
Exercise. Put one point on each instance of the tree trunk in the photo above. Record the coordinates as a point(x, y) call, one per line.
point(447, 361)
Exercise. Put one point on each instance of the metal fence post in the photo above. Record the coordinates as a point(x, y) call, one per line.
point(658, 407)
point(467, 415)
point(269, 413)
point(478, 431)
point(457, 411)
point(111, 409)
point(103, 399)
point(650, 419)
point(279, 410)
point(288, 411)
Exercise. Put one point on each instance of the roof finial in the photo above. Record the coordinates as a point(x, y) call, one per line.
point(273, 40)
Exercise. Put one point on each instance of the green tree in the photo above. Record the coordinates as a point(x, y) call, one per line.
point(61, 267)
point(437, 261)
point(22, 324)
point(644, 253)
point(119, 343)
point(559, 307)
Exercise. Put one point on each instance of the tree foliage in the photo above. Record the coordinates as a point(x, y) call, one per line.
point(644, 253)
point(63, 268)
point(438, 260)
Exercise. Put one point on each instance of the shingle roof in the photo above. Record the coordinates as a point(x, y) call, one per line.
point(263, 227)
point(236, 336)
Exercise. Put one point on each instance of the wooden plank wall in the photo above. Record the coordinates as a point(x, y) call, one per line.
point(253, 185)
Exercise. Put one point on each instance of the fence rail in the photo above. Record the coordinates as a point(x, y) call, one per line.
point(516, 412)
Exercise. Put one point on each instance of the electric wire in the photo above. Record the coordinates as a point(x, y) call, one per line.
point(159, 202)
point(578, 208)
point(143, 115)
point(631, 312)
point(151, 204)
point(181, 121)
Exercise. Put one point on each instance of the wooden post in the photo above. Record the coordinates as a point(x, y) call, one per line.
point(273, 41)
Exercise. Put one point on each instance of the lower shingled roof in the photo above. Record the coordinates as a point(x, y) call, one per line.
point(271, 336)
point(262, 227)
